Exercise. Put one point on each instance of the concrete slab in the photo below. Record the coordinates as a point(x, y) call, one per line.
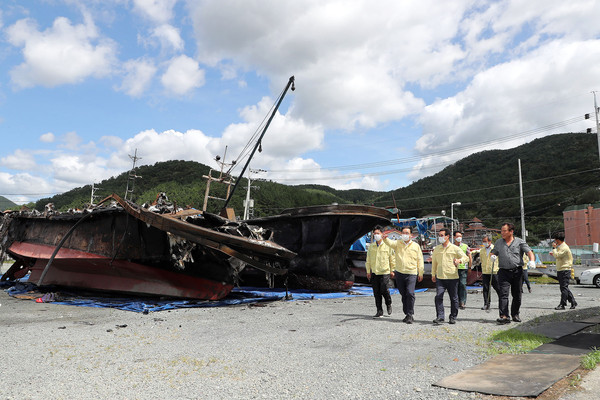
point(592, 320)
point(578, 344)
point(556, 329)
point(517, 375)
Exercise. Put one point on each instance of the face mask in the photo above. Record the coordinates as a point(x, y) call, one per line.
point(458, 239)
point(405, 237)
point(442, 239)
point(377, 237)
point(487, 244)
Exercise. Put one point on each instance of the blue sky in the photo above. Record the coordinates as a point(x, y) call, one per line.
point(386, 92)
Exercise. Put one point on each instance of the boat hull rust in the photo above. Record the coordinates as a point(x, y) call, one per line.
point(321, 236)
point(90, 271)
point(114, 250)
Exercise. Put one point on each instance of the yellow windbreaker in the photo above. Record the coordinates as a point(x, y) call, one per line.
point(486, 261)
point(380, 259)
point(442, 261)
point(564, 257)
point(409, 257)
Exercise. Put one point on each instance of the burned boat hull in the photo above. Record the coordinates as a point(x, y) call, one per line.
point(79, 269)
point(127, 249)
point(321, 236)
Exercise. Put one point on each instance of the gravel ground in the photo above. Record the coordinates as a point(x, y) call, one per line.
point(318, 349)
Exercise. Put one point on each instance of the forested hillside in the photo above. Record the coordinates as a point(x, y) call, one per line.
point(558, 171)
point(183, 182)
point(6, 203)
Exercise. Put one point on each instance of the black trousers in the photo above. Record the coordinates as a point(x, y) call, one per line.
point(380, 290)
point(406, 286)
point(526, 279)
point(485, 279)
point(565, 292)
point(510, 280)
point(441, 285)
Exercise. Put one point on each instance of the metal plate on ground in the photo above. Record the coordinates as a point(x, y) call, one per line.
point(517, 375)
point(578, 344)
point(555, 330)
point(591, 320)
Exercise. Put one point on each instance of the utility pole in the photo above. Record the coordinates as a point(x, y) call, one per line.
point(93, 196)
point(132, 176)
point(523, 231)
point(596, 110)
point(249, 203)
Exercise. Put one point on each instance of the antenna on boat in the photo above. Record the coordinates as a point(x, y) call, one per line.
point(224, 178)
point(259, 141)
point(131, 177)
point(93, 195)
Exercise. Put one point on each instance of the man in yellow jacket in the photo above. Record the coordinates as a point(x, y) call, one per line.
point(444, 272)
point(489, 271)
point(564, 263)
point(380, 266)
point(409, 269)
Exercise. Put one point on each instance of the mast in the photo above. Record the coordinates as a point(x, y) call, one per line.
point(132, 175)
point(258, 142)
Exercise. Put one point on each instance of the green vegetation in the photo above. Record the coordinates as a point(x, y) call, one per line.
point(6, 204)
point(183, 182)
point(590, 360)
point(513, 341)
point(543, 280)
point(486, 183)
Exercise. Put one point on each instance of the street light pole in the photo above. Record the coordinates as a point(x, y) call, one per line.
point(452, 217)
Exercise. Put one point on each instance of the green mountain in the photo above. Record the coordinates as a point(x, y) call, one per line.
point(5, 203)
point(184, 183)
point(558, 171)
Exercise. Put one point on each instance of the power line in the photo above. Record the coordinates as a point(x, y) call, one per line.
point(406, 160)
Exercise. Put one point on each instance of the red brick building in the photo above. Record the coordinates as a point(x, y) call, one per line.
point(582, 224)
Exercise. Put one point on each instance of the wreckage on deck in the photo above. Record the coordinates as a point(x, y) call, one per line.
point(321, 236)
point(128, 248)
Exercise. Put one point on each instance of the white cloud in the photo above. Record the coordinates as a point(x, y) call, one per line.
point(182, 75)
point(500, 104)
point(47, 137)
point(352, 70)
point(77, 170)
point(71, 141)
point(299, 170)
point(62, 54)
point(27, 186)
point(158, 11)
point(169, 37)
point(20, 160)
point(138, 76)
point(286, 136)
point(111, 141)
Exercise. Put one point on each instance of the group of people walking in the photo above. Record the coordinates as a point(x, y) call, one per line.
point(503, 264)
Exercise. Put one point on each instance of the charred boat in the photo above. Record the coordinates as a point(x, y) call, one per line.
point(128, 248)
point(321, 236)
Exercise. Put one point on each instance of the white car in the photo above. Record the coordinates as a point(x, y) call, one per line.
point(590, 277)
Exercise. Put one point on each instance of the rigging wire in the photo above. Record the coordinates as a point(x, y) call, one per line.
point(406, 160)
point(245, 152)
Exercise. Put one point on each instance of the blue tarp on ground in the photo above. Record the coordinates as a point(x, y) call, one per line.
point(242, 295)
